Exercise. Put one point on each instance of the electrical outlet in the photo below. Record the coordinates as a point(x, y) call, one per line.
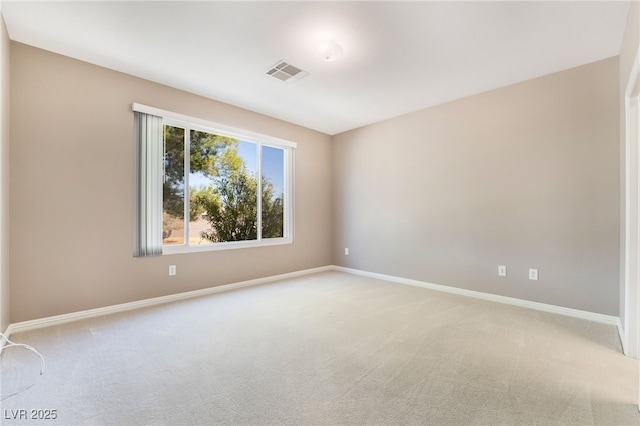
point(346, 251)
point(533, 274)
point(502, 271)
point(172, 270)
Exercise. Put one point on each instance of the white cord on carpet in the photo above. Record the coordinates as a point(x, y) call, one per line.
point(11, 344)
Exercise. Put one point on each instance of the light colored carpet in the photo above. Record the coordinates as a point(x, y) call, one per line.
point(329, 349)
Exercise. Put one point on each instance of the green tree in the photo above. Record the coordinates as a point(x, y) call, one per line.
point(210, 154)
point(173, 185)
point(231, 208)
point(272, 212)
point(229, 202)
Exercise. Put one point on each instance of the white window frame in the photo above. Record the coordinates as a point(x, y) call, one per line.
point(192, 123)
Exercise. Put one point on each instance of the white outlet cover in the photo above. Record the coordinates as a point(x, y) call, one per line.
point(502, 271)
point(172, 270)
point(533, 274)
point(346, 251)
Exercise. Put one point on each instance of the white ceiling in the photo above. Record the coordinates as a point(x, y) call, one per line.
point(398, 56)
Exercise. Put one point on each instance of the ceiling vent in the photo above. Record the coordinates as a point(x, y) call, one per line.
point(286, 72)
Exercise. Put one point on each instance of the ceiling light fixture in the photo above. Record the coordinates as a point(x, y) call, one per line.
point(331, 50)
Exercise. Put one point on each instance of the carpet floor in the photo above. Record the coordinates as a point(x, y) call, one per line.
point(324, 349)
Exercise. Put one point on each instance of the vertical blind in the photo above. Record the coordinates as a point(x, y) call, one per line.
point(149, 151)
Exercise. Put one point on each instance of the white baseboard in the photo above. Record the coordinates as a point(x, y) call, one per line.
point(20, 327)
point(75, 316)
point(623, 338)
point(576, 313)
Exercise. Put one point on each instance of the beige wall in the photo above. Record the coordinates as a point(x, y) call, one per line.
point(4, 175)
point(628, 51)
point(72, 191)
point(525, 176)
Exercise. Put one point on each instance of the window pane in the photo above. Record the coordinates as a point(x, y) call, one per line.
point(173, 187)
point(222, 189)
point(272, 192)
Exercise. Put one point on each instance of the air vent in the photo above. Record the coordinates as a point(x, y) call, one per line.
point(286, 72)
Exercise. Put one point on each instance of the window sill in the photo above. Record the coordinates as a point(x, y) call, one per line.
point(231, 245)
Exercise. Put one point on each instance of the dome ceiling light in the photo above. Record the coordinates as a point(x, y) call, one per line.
point(330, 50)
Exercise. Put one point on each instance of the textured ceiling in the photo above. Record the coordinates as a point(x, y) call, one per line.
point(398, 56)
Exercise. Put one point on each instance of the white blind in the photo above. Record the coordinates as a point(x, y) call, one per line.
point(149, 149)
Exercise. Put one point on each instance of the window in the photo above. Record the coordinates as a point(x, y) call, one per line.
point(221, 188)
